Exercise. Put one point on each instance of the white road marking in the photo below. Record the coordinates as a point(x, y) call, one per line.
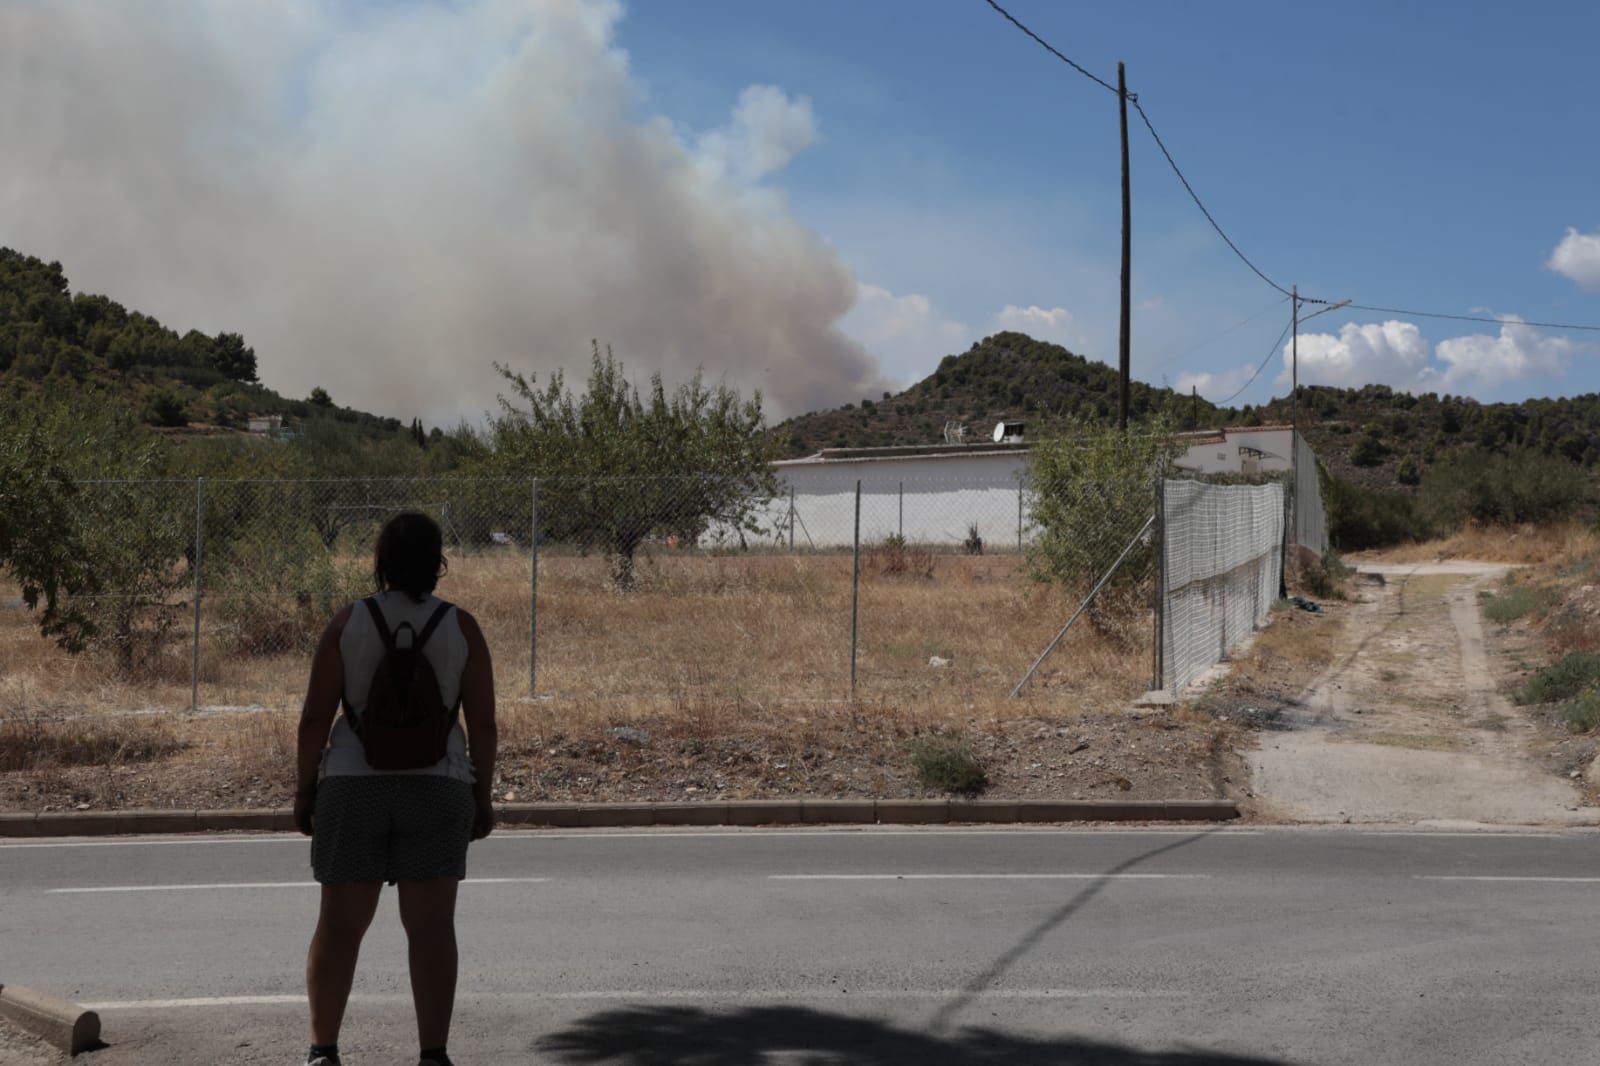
point(655, 994)
point(988, 877)
point(267, 884)
point(663, 833)
point(1547, 880)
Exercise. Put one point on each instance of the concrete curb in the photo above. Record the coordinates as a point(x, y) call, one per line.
point(709, 813)
point(66, 1025)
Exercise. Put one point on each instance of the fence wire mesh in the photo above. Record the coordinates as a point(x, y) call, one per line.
point(616, 591)
point(1222, 567)
point(1310, 521)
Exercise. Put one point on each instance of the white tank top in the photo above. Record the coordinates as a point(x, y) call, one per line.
point(362, 650)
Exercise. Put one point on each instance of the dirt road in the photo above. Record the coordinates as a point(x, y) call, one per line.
point(1408, 724)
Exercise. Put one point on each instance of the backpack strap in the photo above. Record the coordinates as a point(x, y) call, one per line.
point(432, 624)
point(378, 620)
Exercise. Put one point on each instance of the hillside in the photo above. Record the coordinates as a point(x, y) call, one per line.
point(1382, 438)
point(185, 385)
point(1375, 437)
point(1009, 376)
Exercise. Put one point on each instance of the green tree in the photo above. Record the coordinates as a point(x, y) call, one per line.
point(102, 551)
point(1092, 487)
point(165, 407)
point(618, 467)
point(229, 356)
point(320, 397)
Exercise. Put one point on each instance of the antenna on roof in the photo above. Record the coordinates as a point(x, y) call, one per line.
point(955, 433)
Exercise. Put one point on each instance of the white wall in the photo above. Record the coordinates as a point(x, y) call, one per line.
point(928, 500)
point(1222, 457)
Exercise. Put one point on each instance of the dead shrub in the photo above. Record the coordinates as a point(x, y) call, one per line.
point(897, 557)
point(31, 742)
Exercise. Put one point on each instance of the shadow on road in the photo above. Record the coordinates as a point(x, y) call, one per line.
point(799, 1036)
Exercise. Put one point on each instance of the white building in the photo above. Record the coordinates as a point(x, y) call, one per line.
point(942, 493)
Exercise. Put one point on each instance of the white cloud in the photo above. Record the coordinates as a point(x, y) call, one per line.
point(1390, 353)
point(1054, 324)
point(1578, 257)
point(1396, 354)
point(906, 333)
point(385, 199)
point(1215, 387)
point(1482, 362)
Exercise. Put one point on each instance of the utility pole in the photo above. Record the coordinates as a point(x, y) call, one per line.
point(1127, 257)
point(1294, 361)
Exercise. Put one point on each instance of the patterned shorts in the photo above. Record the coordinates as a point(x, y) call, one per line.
point(391, 827)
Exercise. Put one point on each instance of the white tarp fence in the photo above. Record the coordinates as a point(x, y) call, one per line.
point(1310, 521)
point(1222, 564)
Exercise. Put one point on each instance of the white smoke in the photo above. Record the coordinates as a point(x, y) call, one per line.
point(386, 200)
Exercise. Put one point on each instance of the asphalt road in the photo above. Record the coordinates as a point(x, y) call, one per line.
point(881, 947)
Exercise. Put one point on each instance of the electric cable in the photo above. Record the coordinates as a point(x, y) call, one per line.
point(1048, 47)
point(1173, 163)
point(1276, 346)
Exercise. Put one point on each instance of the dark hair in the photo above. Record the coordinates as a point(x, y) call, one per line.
point(409, 555)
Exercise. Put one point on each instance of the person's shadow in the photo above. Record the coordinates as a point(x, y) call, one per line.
point(800, 1036)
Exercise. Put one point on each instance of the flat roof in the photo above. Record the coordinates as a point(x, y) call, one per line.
point(982, 449)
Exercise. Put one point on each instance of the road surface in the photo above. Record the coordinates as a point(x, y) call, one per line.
point(1168, 947)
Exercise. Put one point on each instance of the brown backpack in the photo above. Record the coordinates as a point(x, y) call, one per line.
point(405, 725)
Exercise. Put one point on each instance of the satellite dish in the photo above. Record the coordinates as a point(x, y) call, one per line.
point(999, 432)
point(1004, 431)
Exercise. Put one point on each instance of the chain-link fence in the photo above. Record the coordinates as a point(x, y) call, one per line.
point(691, 590)
point(1222, 568)
point(677, 589)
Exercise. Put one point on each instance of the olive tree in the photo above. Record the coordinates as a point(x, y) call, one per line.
point(1092, 487)
point(618, 466)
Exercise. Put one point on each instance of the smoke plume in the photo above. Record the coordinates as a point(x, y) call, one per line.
point(387, 200)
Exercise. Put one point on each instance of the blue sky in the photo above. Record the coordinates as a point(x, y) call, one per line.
point(815, 199)
point(1403, 155)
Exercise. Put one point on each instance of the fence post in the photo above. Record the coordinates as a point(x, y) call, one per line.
point(791, 519)
point(1019, 516)
point(533, 590)
point(855, 588)
point(902, 510)
point(199, 585)
point(1161, 587)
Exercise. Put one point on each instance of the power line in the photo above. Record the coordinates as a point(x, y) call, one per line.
point(1276, 346)
point(1048, 47)
point(1464, 318)
point(1196, 198)
point(1133, 98)
point(1167, 360)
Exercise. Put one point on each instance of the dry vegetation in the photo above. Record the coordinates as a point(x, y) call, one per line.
point(1525, 545)
point(720, 675)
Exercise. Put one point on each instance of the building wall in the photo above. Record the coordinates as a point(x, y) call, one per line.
point(1222, 457)
point(927, 500)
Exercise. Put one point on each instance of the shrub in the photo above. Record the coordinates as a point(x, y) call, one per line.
point(973, 545)
point(1582, 715)
point(1368, 450)
point(1502, 489)
point(273, 596)
point(1575, 672)
point(1364, 518)
point(1516, 601)
point(164, 407)
point(896, 556)
point(947, 764)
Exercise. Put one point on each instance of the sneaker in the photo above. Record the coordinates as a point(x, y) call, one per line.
point(322, 1060)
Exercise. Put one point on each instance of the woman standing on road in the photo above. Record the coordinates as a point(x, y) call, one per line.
point(371, 822)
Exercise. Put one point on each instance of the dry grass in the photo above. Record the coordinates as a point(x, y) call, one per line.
point(1526, 545)
point(708, 647)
